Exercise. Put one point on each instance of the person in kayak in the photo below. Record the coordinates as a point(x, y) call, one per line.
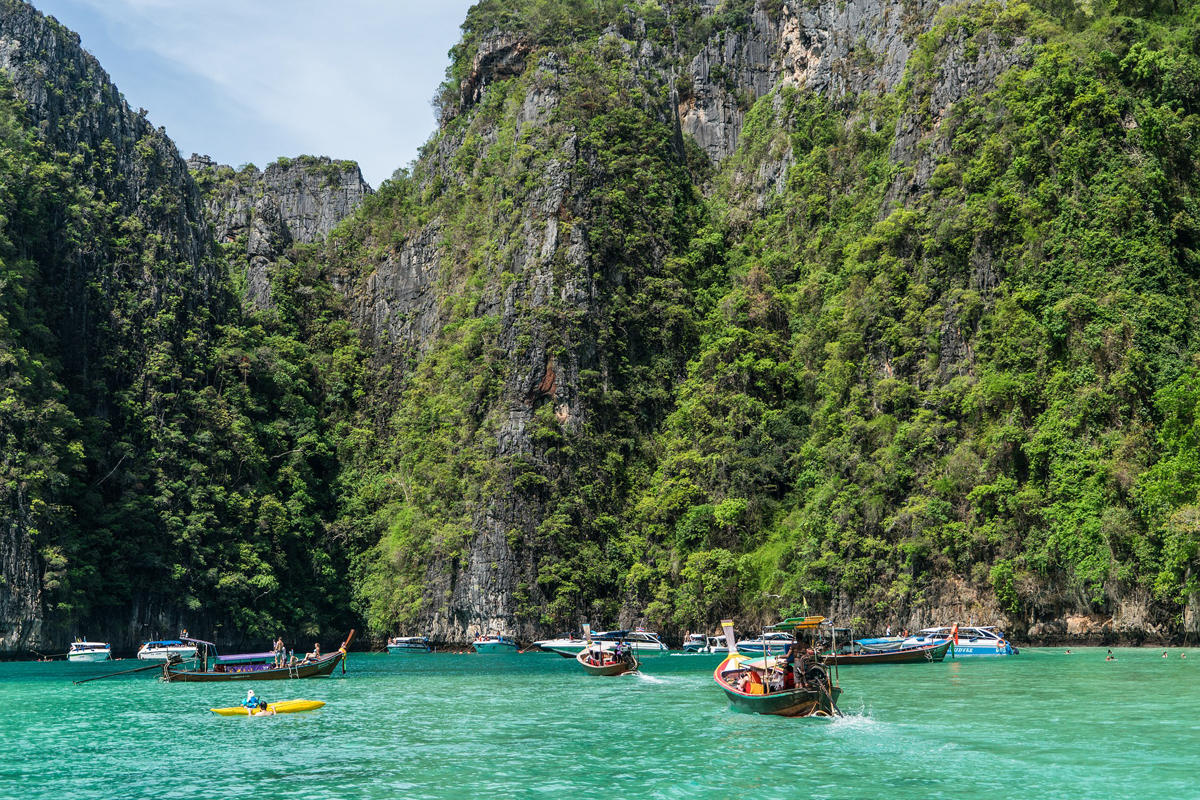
point(251, 701)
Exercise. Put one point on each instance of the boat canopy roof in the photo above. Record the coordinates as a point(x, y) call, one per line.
point(196, 641)
point(239, 657)
point(798, 624)
point(164, 643)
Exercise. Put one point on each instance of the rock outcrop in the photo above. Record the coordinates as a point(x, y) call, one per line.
point(293, 201)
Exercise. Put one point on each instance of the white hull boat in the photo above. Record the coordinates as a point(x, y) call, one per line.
point(493, 644)
point(643, 643)
point(89, 651)
point(166, 650)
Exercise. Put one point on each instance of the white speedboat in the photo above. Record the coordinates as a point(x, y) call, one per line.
point(89, 651)
point(164, 650)
point(408, 644)
point(699, 643)
point(494, 643)
point(969, 640)
point(644, 643)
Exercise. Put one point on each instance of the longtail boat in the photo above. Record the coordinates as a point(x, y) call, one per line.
point(252, 666)
point(774, 685)
point(850, 654)
point(601, 661)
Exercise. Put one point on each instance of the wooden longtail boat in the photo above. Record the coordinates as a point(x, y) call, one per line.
point(913, 655)
point(320, 668)
point(760, 685)
point(598, 661)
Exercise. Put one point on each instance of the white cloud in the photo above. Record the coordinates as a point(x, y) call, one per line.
point(350, 79)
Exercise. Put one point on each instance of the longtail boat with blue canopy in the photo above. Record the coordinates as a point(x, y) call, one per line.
point(795, 685)
point(252, 666)
point(857, 651)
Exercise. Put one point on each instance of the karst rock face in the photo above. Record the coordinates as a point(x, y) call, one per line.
point(292, 201)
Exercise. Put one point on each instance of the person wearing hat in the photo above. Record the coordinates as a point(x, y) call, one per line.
point(251, 701)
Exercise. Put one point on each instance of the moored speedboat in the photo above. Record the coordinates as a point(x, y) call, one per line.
point(854, 654)
point(167, 649)
point(89, 651)
point(644, 643)
point(695, 643)
point(968, 640)
point(774, 685)
point(408, 644)
point(494, 643)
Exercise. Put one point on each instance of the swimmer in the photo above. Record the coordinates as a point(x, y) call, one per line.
point(1068, 653)
point(1164, 653)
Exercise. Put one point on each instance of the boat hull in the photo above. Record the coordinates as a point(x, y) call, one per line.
point(317, 669)
point(103, 655)
point(789, 703)
point(494, 648)
point(913, 655)
point(282, 707)
point(397, 649)
point(640, 649)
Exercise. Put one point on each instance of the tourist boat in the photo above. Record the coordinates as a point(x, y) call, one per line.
point(252, 666)
point(599, 660)
point(968, 640)
point(81, 650)
point(282, 707)
point(494, 643)
point(409, 644)
point(761, 685)
point(698, 643)
point(166, 650)
point(774, 643)
point(644, 643)
point(854, 653)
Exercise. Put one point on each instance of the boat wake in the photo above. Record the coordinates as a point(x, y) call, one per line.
point(648, 678)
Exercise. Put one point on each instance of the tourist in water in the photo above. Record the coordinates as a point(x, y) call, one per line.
point(1164, 653)
point(263, 710)
point(1183, 655)
point(1109, 657)
point(1069, 653)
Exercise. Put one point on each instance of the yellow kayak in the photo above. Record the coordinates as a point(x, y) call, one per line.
point(282, 707)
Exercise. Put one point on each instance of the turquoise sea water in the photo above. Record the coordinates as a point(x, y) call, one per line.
point(1039, 725)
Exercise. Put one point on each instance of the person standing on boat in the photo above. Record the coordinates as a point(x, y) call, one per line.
point(789, 672)
point(279, 652)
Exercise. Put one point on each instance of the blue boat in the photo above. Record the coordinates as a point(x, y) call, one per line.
point(773, 643)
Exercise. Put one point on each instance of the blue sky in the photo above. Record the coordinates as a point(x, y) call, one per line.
point(247, 81)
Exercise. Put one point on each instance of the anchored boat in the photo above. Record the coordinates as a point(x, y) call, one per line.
point(89, 651)
point(644, 643)
point(408, 644)
point(167, 650)
point(854, 652)
point(494, 643)
point(768, 684)
point(969, 640)
point(253, 666)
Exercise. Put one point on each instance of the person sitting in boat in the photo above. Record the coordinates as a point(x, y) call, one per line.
point(263, 710)
point(251, 701)
point(315, 655)
point(789, 663)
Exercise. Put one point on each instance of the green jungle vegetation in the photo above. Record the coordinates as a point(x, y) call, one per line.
point(856, 391)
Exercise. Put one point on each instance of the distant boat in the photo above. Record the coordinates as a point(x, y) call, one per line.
point(252, 666)
point(408, 644)
point(89, 651)
point(282, 707)
point(702, 643)
point(768, 685)
point(968, 640)
point(494, 643)
point(166, 649)
point(852, 653)
point(774, 643)
point(644, 643)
